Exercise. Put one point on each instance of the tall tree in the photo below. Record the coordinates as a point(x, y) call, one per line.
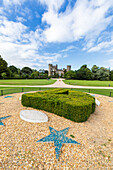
point(103, 74)
point(3, 75)
point(70, 75)
point(26, 70)
point(84, 73)
point(111, 75)
point(3, 67)
point(95, 74)
point(35, 74)
point(13, 69)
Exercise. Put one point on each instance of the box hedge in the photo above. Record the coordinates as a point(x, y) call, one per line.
point(73, 105)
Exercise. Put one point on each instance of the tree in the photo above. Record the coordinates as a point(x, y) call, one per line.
point(35, 74)
point(3, 75)
point(3, 67)
point(19, 73)
point(103, 74)
point(70, 75)
point(111, 75)
point(95, 70)
point(26, 70)
point(16, 75)
point(26, 76)
point(46, 71)
point(84, 73)
point(13, 69)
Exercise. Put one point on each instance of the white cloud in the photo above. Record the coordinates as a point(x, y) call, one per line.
point(37, 14)
point(1, 10)
point(19, 46)
point(11, 30)
point(20, 19)
point(109, 63)
point(13, 2)
point(52, 4)
point(104, 43)
point(49, 58)
point(86, 20)
point(71, 47)
point(59, 30)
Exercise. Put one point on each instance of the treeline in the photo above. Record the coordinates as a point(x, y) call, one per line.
point(84, 73)
point(16, 73)
point(96, 73)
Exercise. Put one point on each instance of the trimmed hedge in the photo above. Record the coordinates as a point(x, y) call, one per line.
point(73, 105)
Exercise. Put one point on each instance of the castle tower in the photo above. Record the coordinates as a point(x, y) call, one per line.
point(56, 67)
point(50, 69)
point(68, 68)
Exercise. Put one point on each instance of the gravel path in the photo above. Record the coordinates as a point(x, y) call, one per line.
point(59, 84)
point(19, 150)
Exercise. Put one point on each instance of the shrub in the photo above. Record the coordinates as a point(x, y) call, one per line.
point(73, 105)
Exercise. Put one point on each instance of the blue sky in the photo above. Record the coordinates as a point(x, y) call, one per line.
point(35, 33)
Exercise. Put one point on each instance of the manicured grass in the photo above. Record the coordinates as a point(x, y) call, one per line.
point(105, 92)
point(27, 82)
point(10, 90)
point(89, 83)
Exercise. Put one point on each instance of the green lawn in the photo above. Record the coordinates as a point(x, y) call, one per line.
point(89, 83)
point(27, 82)
point(105, 92)
point(9, 90)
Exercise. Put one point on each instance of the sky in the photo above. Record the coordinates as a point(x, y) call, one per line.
point(35, 33)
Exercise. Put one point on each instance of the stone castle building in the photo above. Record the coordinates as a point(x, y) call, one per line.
point(54, 70)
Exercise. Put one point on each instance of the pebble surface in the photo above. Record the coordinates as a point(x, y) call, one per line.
point(19, 149)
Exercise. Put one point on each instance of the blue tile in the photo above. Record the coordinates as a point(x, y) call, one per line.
point(8, 96)
point(59, 138)
point(2, 118)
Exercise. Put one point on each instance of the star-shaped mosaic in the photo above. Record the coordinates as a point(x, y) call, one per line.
point(59, 138)
point(2, 118)
point(8, 96)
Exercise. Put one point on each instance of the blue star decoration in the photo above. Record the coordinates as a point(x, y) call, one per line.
point(59, 138)
point(8, 96)
point(2, 118)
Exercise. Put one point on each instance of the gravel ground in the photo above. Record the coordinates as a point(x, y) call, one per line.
point(19, 149)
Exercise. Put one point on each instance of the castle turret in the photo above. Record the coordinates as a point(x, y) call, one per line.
point(56, 66)
point(68, 68)
point(50, 70)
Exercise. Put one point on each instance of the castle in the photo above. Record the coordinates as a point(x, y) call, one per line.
point(54, 70)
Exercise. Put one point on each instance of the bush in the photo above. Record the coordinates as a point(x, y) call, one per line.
point(73, 105)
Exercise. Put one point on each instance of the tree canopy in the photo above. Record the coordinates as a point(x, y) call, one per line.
point(13, 69)
point(27, 70)
point(84, 73)
point(3, 67)
point(70, 74)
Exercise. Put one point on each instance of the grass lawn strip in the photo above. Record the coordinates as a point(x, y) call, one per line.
point(89, 83)
point(27, 82)
point(11, 90)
